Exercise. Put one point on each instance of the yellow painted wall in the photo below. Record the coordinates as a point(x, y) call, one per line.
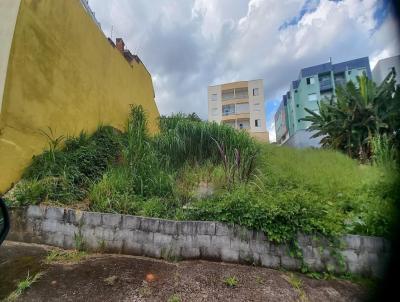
point(63, 74)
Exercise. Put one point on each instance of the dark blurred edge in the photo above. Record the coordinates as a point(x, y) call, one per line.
point(388, 288)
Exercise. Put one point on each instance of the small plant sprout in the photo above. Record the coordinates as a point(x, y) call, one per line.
point(297, 284)
point(174, 298)
point(23, 285)
point(231, 281)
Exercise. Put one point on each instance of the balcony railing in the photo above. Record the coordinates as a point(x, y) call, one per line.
point(225, 113)
point(237, 93)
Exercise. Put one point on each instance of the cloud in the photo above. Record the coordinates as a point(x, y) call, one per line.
point(190, 44)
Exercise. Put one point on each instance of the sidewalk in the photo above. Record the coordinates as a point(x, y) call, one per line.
point(101, 277)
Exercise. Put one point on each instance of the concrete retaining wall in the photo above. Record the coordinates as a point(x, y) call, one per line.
point(174, 240)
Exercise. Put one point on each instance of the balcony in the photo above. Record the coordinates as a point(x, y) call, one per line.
point(235, 93)
point(235, 116)
point(241, 123)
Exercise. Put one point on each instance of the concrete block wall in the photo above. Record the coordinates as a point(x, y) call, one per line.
point(174, 240)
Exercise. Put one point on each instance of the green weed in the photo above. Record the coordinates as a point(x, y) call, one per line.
point(174, 298)
point(23, 285)
point(61, 256)
point(231, 281)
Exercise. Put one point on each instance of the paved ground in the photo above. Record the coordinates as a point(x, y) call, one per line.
point(125, 278)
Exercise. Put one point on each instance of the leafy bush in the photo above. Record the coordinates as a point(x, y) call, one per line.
point(280, 215)
point(64, 174)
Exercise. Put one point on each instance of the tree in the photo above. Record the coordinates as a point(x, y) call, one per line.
point(360, 112)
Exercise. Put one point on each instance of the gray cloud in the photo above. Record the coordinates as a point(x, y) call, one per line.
point(190, 44)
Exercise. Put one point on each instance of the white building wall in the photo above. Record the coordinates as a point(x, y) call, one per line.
point(257, 110)
point(384, 66)
point(214, 106)
point(8, 18)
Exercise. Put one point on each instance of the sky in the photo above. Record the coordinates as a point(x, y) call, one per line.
point(188, 45)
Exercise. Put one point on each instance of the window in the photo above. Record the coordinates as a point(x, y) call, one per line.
point(228, 109)
point(295, 91)
point(255, 91)
point(257, 123)
point(241, 126)
point(241, 93)
point(228, 94)
point(310, 81)
point(312, 97)
point(297, 105)
point(214, 97)
point(242, 108)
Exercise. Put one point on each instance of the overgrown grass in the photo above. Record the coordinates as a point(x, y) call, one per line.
point(198, 170)
point(62, 256)
point(64, 173)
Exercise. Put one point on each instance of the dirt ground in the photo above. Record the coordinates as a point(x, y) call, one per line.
point(103, 277)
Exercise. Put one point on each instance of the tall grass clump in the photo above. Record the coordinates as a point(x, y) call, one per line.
point(138, 176)
point(384, 154)
point(184, 140)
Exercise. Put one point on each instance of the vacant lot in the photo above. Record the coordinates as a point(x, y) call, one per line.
point(127, 278)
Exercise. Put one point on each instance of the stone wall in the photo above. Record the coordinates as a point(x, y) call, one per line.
point(173, 240)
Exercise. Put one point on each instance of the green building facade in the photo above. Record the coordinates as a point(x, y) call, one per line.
point(314, 84)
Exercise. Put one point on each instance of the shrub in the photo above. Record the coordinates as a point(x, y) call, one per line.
point(64, 174)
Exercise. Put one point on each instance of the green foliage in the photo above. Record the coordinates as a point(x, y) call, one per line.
point(193, 170)
point(360, 113)
point(147, 175)
point(64, 174)
point(174, 298)
point(62, 256)
point(280, 215)
point(183, 140)
point(384, 153)
point(79, 240)
point(310, 191)
point(231, 281)
point(24, 285)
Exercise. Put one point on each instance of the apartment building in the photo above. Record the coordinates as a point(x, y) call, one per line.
point(240, 105)
point(313, 84)
point(384, 66)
